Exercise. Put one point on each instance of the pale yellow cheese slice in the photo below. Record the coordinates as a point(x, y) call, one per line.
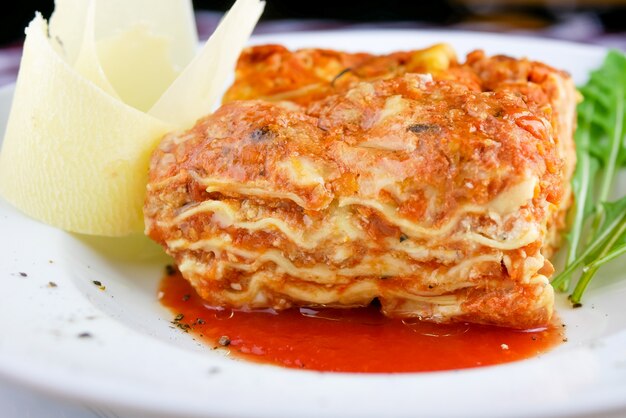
point(75, 153)
point(170, 19)
point(88, 63)
point(67, 27)
point(137, 64)
point(73, 156)
point(196, 91)
point(133, 50)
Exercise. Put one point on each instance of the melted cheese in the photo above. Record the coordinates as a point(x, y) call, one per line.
point(301, 171)
point(514, 197)
point(517, 238)
point(262, 191)
point(423, 253)
point(379, 266)
point(340, 224)
point(523, 233)
point(353, 292)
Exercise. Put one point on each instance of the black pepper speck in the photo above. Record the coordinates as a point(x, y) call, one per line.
point(99, 284)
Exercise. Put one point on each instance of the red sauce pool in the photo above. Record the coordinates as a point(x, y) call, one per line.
point(349, 340)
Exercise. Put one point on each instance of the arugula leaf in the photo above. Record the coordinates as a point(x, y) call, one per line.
point(616, 252)
point(614, 228)
point(601, 152)
point(586, 168)
point(606, 90)
point(615, 213)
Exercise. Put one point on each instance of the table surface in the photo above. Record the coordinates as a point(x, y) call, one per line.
point(19, 402)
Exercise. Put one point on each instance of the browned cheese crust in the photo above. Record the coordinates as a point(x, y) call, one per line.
point(332, 179)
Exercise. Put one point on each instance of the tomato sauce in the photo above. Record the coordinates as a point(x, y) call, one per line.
point(358, 340)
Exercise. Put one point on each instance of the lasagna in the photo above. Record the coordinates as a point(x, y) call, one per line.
point(333, 179)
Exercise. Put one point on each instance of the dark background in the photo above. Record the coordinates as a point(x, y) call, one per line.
point(525, 14)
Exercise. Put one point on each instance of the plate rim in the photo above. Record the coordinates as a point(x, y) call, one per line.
point(51, 389)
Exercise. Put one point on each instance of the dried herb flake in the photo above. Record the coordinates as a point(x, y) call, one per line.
point(170, 270)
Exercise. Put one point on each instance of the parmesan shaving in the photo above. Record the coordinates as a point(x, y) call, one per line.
point(137, 63)
point(76, 150)
point(88, 63)
point(76, 160)
point(67, 27)
point(195, 92)
point(170, 19)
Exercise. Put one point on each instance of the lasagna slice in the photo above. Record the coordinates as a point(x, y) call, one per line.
point(440, 194)
point(274, 73)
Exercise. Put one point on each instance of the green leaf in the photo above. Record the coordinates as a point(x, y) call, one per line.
point(606, 89)
point(607, 246)
point(586, 169)
point(614, 219)
point(612, 215)
point(613, 211)
point(587, 165)
point(613, 254)
point(601, 152)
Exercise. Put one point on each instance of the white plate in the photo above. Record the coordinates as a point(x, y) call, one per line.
point(135, 361)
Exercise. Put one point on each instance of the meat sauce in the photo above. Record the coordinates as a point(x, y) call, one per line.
point(359, 340)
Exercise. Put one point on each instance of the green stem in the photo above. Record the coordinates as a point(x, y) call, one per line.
point(616, 143)
point(596, 244)
point(591, 270)
point(612, 162)
point(582, 195)
point(612, 255)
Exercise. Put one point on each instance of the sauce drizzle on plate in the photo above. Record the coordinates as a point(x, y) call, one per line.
point(358, 340)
